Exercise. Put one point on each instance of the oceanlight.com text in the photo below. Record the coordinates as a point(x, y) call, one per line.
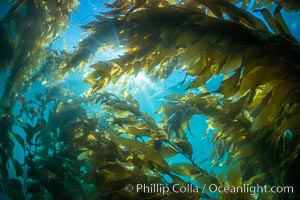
point(212, 188)
point(245, 188)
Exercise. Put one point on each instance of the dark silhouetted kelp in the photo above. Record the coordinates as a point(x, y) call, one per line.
point(70, 153)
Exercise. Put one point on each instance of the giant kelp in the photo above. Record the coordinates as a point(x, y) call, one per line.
point(76, 154)
point(26, 30)
point(254, 104)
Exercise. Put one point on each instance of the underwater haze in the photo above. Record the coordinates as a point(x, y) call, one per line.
point(149, 99)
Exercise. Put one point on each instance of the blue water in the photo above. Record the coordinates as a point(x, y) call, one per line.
point(149, 93)
point(152, 93)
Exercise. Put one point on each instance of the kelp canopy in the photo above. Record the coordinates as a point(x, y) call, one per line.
point(73, 153)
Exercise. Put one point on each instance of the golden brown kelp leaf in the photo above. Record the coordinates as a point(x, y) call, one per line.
point(110, 172)
point(104, 35)
point(129, 98)
point(156, 48)
point(114, 173)
point(147, 153)
point(101, 75)
point(140, 131)
point(281, 23)
point(205, 180)
point(65, 112)
point(126, 112)
point(230, 86)
point(234, 176)
point(223, 8)
point(184, 145)
point(77, 131)
point(179, 122)
point(289, 5)
point(276, 23)
point(168, 152)
point(123, 7)
point(185, 169)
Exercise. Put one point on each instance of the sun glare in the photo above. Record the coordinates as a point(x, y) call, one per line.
point(141, 78)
